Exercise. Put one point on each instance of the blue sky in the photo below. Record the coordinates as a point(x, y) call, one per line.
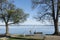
point(26, 5)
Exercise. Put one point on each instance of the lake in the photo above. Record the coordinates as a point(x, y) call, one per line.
point(16, 29)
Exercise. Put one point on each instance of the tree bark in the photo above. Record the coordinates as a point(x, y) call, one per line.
point(55, 18)
point(56, 21)
point(7, 30)
point(56, 28)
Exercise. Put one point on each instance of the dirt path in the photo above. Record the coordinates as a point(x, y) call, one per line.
point(52, 38)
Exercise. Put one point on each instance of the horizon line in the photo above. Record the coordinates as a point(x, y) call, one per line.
point(29, 25)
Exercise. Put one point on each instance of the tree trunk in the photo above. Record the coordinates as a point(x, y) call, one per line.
point(56, 28)
point(55, 18)
point(7, 30)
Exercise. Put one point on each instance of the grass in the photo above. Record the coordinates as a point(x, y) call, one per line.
point(15, 39)
point(20, 37)
point(27, 37)
point(0, 39)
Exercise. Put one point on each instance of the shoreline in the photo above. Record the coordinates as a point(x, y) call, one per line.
point(41, 37)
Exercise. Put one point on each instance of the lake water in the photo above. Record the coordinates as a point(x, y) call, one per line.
point(25, 29)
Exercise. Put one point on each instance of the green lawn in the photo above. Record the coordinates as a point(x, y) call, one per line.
point(21, 39)
point(15, 39)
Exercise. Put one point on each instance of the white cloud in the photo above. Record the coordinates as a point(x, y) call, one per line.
point(31, 22)
point(34, 22)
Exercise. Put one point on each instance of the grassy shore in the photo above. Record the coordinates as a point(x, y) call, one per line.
point(20, 37)
point(30, 37)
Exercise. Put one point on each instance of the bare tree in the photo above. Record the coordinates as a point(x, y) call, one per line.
point(50, 10)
